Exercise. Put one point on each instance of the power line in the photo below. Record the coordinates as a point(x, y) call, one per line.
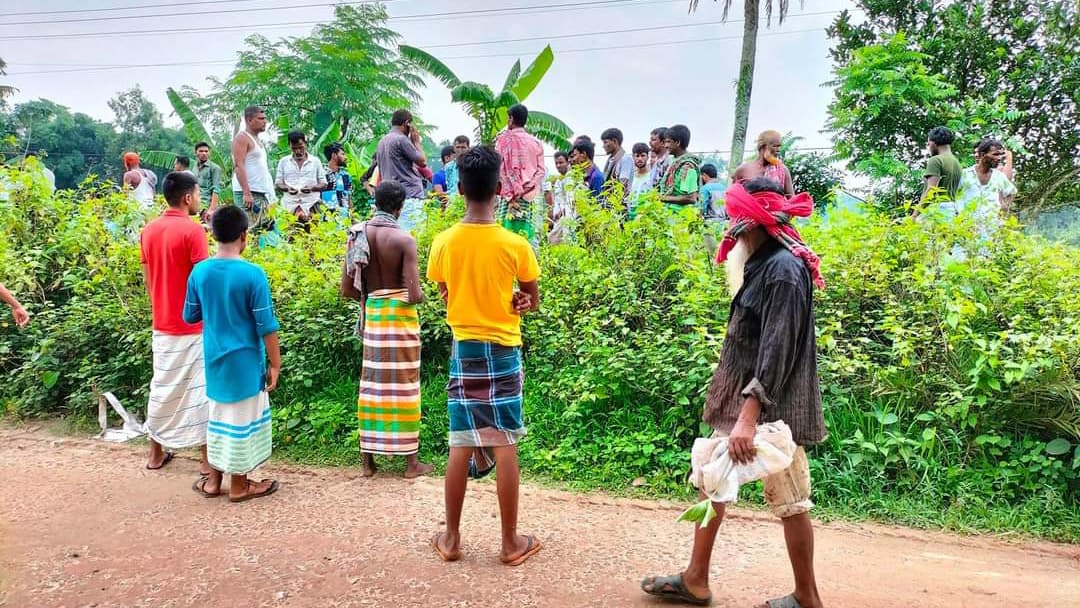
point(484, 56)
point(124, 8)
point(640, 45)
point(604, 33)
point(188, 13)
point(422, 16)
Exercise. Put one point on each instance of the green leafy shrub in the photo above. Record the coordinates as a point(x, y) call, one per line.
point(950, 383)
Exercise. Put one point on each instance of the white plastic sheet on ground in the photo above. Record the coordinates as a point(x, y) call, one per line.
point(132, 427)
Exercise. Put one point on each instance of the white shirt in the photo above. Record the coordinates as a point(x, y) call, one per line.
point(306, 175)
point(986, 198)
point(562, 195)
point(997, 187)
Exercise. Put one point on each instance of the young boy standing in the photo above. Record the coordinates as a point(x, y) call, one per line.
point(232, 298)
point(476, 264)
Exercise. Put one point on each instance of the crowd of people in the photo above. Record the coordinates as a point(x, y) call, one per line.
point(216, 355)
point(215, 344)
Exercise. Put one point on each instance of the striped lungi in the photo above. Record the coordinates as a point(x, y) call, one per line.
point(178, 408)
point(238, 438)
point(484, 399)
point(389, 403)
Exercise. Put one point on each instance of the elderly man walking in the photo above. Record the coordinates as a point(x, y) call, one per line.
point(767, 373)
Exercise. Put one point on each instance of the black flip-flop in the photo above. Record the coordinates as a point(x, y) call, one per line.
point(201, 490)
point(164, 461)
point(246, 497)
point(673, 588)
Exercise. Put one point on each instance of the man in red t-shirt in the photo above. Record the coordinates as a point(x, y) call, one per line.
point(170, 247)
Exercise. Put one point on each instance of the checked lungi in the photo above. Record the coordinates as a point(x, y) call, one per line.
point(178, 408)
point(484, 399)
point(389, 402)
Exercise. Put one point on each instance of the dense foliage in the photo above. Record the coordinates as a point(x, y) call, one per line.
point(951, 387)
point(1009, 68)
point(76, 146)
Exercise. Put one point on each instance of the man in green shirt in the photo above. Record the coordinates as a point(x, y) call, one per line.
point(942, 170)
point(679, 185)
point(209, 175)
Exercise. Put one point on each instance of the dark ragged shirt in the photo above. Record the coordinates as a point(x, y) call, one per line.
point(769, 351)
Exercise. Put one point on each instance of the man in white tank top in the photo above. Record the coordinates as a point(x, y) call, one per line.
point(251, 183)
point(140, 182)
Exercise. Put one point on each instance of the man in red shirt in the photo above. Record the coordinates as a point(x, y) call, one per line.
point(170, 247)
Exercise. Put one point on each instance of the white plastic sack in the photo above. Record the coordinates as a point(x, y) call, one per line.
point(132, 427)
point(714, 473)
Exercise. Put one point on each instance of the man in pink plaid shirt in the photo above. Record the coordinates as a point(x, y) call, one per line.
point(522, 176)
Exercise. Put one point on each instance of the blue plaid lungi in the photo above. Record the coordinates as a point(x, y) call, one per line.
point(484, 399)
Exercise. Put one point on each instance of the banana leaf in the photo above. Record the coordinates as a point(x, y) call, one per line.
point(532, 76)
point(428, 63)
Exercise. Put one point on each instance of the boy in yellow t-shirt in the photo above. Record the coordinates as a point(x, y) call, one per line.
point(476, 264)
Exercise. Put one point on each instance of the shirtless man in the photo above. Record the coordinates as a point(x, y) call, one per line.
point(767, 164)
point(389, 288)
point(251, 182)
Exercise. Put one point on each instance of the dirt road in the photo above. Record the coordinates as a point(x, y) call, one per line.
point(82, 523)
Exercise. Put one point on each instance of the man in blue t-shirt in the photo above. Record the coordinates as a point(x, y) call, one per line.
point(232, 299)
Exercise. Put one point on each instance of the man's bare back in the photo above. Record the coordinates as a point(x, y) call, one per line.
point(393, 262)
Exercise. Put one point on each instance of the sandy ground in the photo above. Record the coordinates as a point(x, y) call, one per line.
point(82, 523)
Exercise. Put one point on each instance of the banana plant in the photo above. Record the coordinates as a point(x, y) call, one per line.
point(489, 108)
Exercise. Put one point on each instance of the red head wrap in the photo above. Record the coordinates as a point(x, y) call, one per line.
point(773, 212)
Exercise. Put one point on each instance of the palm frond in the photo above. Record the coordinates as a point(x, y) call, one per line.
point(532, 75)
point(512, 77)
point(474, 93)
point(726, 9)
point(428, 63)
point(194, 127)
point(506, 99)
point(555, 140)
point(157, 158)
point(547, 122)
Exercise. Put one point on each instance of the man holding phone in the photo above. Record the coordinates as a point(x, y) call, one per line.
point(399, 157)
point(300, 177)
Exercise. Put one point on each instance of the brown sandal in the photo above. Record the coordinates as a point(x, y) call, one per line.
point(531, 549)
point(246, 497)
point(200, 487)
point(446, 557)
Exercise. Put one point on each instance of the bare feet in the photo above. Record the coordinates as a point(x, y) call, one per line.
point(522, 549)
point(418, 469)
point(368, 465)
point(448, 549)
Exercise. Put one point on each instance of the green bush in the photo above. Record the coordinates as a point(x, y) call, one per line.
point(950, 383)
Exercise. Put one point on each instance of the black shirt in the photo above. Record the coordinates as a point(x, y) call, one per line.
point(769, 350)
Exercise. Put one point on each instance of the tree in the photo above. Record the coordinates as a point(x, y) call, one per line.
point(490, 109)
point(5, 90)
point(72, 145)
point(751, 21)
point(1012, 68)
point(345, 74)
point(139, 127)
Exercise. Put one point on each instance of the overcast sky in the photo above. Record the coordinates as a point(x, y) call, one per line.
point(652, 79)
